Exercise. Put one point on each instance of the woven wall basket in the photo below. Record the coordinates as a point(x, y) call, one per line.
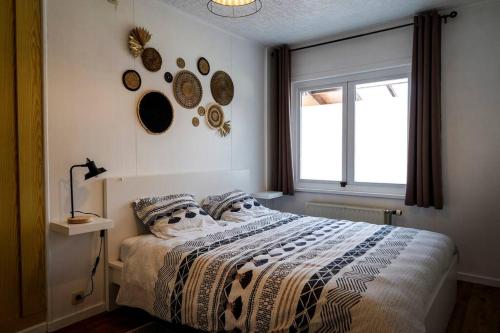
point(214, 116)
point(222, 88)
point(187, 89)
point(151, 59)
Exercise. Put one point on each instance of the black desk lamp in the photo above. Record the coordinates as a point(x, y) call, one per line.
point(94, 171)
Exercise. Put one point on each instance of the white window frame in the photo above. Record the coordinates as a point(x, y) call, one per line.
point(348, 84)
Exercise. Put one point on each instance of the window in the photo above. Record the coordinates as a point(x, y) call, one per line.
point(351, 134)
point(380, 131)
point(321, 121)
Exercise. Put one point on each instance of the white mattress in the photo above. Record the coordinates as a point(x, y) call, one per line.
point(136, 243)
point(132, 244)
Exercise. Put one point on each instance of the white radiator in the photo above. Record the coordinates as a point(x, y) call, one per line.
point(351, 213)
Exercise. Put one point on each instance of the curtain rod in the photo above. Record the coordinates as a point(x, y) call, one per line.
point(453, 14)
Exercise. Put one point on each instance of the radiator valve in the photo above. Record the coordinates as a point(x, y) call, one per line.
point(388, 215)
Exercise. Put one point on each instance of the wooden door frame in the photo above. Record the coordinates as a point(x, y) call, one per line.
point(25, 21)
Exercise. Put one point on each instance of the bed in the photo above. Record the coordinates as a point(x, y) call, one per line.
point(279, 272)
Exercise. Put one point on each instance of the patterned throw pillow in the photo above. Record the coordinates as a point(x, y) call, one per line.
point(174, 215)
point(233, 202)
point(148, 210)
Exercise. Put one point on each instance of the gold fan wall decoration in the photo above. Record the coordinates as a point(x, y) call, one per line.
point(225, 129)
point(137, 40)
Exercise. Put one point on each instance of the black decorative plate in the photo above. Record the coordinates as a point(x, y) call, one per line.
point(155, 112)
point(168, 77)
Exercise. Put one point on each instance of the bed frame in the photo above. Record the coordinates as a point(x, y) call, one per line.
point(120, 192)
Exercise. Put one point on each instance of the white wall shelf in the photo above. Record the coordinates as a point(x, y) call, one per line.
point(63, 227)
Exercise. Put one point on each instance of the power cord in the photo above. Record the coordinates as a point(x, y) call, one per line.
point(94, 268)
point(97, 259)
point(86, 213)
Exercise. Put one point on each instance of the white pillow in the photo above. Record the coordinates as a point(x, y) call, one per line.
point(182, 222)
point(246, 211)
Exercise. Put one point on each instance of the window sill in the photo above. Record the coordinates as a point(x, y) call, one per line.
point(353, 193)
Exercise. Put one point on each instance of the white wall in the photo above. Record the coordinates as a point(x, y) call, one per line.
point(90, 114)
point(470, 130)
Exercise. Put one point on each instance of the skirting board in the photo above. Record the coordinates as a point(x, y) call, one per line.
point(38, 328)
point(479, 279)
point(76, 317)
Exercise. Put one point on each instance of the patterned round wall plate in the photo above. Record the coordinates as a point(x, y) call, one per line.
point(187, 89)
point(201, 111)
point(151, 59)
point(214, 116)
point(222, 88)
point(203, 66)
point(195, 121)
point(181, 63)
point(131, 80)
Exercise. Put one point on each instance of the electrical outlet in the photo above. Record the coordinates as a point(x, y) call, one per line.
point(77, 297)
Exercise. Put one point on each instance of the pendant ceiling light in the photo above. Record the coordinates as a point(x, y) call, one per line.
point(234, 8)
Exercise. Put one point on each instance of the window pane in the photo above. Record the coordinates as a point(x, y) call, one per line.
point(321, 135)
point(380, 130)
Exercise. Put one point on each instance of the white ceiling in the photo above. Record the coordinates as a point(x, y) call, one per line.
point(297, 21)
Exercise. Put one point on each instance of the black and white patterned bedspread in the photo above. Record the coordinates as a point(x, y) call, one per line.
point(291, 273)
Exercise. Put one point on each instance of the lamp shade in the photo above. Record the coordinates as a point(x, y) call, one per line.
point(234, 2)
point(93, 170)
point(234, 8)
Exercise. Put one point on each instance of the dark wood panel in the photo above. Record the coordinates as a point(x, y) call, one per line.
point(477, 310)
point(9, 226)
point(30, 155)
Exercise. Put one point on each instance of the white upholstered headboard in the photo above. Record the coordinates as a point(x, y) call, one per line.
point(119, 193)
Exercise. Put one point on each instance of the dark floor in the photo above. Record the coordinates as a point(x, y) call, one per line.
point(119, 321)
point(477, 311)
